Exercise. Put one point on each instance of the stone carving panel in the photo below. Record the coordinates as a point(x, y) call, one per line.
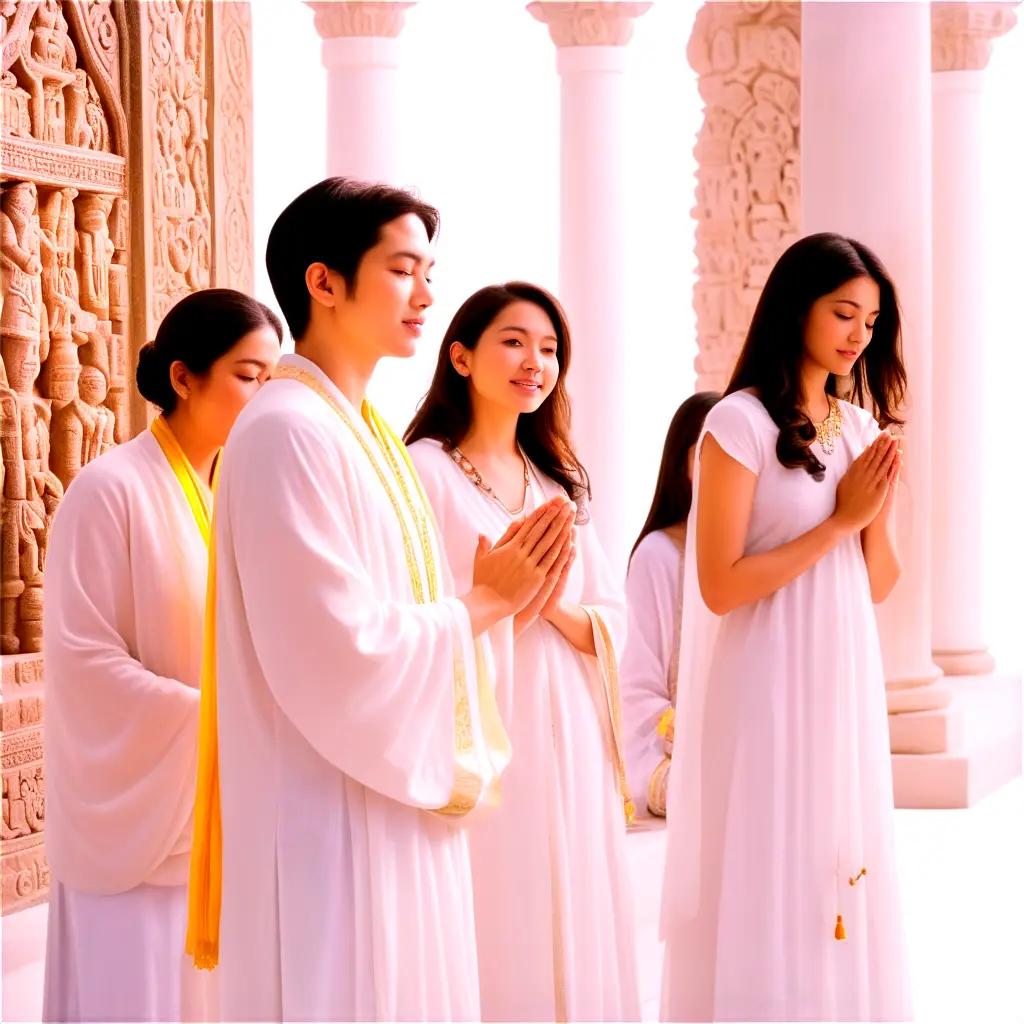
point(69, 221)
point(63, 174)
point(747, 56)
point(180, 256)
point(233, 186)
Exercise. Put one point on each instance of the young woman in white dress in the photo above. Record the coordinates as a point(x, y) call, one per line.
point(654, 596)
point(780, 898)
point(123, 628)
point(552, 898)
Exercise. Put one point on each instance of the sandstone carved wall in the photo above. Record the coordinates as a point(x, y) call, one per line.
point(747, 56)
point(125, 169)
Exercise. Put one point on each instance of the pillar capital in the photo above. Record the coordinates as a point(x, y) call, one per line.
point(342, 19)
point(589, 22)
point(963, 33)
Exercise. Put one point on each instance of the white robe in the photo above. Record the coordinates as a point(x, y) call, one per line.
point(554, 918)
point(343, 897)
point(654, 592)
point(125, 585)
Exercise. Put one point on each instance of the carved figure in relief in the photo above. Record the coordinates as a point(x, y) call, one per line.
point(15, 820)
point(96, 252)
point(14, 482)
point(31, 490)
point(20, 267)
point(98, 128)
point(118, 277)
point(15, 106)
point(48, 61)
point(60, 300)
point(24, 803)
point(78, 132)
point(92, 389)
point(70, 428)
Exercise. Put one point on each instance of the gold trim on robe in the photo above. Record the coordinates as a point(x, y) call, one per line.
point(609, 672)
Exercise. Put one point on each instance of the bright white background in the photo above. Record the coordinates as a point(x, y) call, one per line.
point(479, 131)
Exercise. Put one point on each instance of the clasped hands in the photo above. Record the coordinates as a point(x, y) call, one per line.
point(528, 566)
point(868, 488)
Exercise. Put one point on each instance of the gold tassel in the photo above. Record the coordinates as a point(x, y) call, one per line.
point(668, 718)
point(630, 809)
point(840, 930)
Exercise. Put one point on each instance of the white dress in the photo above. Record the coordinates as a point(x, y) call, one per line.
point(781, 788)
point(654, 594)
point(554, 921)
point(125, 586)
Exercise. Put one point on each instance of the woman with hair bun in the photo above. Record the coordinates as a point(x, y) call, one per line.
point(123, 630)
point(781, 899)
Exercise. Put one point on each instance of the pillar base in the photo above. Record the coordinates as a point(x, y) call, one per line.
point(925, 732)
point(984, 749)
point(930, 697)
point(965, 663)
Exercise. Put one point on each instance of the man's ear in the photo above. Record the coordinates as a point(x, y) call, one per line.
point(324, 285)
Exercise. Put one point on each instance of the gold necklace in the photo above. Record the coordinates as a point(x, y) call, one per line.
point(467, 467)
point(831, 427)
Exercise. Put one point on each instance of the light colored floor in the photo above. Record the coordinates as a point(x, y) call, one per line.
point(963, 892)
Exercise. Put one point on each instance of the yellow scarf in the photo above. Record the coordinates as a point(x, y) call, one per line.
point(202, 941)
point(195, 493)
point(205, 811)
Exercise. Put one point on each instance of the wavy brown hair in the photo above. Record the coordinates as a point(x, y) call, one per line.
point(773, 353)
point(673, 492)
point(446, 411)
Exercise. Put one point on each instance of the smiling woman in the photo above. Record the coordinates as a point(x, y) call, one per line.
point(553, 918)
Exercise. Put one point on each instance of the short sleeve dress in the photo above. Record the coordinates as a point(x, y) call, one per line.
point(781, 790)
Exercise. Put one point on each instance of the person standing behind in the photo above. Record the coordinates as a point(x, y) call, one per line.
point(122, 643)
point(351, 723)
point(654, 595)
point(781, 899)
point(491, 441)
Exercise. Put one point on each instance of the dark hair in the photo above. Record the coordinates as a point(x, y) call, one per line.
point(335, 222)
point(445, 412)
point(773, 351)
point(674, 491)
point(197, 330)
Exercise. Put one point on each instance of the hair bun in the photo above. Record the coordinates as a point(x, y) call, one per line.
point(153, 378)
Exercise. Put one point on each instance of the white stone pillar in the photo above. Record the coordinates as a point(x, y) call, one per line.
point(867, 157)
point(962, 35)
point(360, 52)
point(591, 40)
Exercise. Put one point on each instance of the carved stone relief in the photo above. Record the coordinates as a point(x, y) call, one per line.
point(69, 218)
point(748, 155)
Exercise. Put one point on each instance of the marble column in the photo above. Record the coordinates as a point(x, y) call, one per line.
point(591, 43)
point(867, 158)
point(962, 35)
point(360, 52)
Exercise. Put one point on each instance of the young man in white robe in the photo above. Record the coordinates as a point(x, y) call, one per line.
point(356, 718)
